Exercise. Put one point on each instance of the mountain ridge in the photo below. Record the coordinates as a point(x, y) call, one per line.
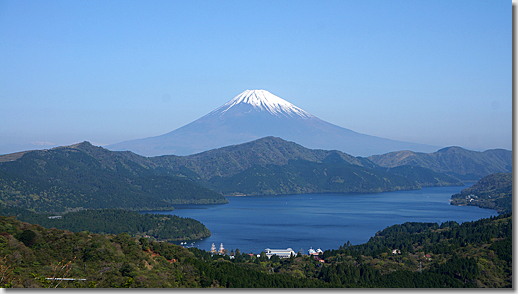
point(269, 165)
point(237, 158)
point(84, 176)
point(460, 163)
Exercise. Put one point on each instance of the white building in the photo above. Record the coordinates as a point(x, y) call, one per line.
point(282, 253)
point(312, 251)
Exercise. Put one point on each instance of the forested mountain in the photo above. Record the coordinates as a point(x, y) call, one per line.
point(494, 191)
point(462, 164)
point(427, 255)
point(424, 176)
point(161, 227)
point(332, 175)
point(231, 160)
point(471, 254)
point(234, 163)
point(274, 166)
point(85, 176)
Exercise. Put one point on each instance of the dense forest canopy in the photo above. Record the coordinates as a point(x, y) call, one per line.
point(160, 227)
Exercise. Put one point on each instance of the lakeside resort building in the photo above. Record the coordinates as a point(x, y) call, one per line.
point(282, 253)
point(312, 251)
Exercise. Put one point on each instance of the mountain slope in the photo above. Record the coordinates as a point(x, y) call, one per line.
point(333, 175)
point(465, 165)
point(254, 114)
point(233, 160)
point(230, 160)
point(424, 176)
point(84, 176)
point(273, 166)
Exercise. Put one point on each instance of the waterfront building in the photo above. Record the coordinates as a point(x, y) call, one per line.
point(282, 253)
point(312, 251)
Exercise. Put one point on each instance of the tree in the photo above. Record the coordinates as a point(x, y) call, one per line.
point(145, 243)
point(275, 258)
point(28, 238)
point(3, 242)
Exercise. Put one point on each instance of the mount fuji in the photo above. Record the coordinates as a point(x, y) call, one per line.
point(254, 114)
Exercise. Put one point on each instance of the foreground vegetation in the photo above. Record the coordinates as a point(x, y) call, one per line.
point(472, 254)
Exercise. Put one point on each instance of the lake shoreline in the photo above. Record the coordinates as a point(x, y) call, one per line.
point(326, 221)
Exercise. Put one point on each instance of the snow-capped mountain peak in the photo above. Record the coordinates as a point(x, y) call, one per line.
point(263, 100)
point(255, 114)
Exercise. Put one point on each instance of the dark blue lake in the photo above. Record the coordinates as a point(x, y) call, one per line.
point(323, 221)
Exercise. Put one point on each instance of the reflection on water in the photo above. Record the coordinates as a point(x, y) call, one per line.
point(323, 221)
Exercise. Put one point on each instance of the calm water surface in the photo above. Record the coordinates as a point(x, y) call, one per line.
point(323, 221)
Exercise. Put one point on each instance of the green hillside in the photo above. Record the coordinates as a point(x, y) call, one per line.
point(231, 160)
point(30, 254)
point(237, 165)
point(470, 255)
point(494, 191)
point(333, 175)
point(424, 176)
point(159, 227)
point(84, 176)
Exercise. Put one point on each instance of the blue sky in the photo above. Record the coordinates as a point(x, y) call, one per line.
point(432, 72)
